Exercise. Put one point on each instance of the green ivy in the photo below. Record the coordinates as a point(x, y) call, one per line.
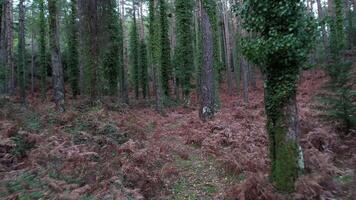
point(285, 32)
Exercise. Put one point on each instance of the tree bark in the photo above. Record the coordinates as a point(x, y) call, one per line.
point(32, 63)
point(8, 13)
point(283, 127)
point(207, 73)
point(21, 53)
point(123, 79)
point(57, 67)
point(245, 79)
point(227, 47)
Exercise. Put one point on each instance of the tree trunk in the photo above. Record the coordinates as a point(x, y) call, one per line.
point(57, 67)
point(2, 45)
point(245, 79)
point(227, 47)
point(9, 45)
point(32, 64)
point(123, 79)
point(207, 73)
point(283, 127)
point(21, 53)
point(81, 44)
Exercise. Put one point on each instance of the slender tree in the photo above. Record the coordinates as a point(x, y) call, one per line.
point(143, 68)
point(165, 45)
point(184, 16)
point(285, 34)
point(22, 53)
point(124, 93)
point(57, 67)
point(73, 43)
point(9, 40)
point(207, 106)
point(134, 52)
point(112, 54)
point(42, 42)
point(155, 51)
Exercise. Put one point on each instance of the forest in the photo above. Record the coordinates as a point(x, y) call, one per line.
point(178, 99)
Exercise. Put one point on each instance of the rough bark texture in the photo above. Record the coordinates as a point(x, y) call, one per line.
point(2, 49)
point(124, 92)
point(227, 47)
point(283, 126)
point(57, 67)
point(207, 74)
point(9, 45)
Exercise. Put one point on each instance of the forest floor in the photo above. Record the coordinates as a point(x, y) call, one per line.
point(110, 151)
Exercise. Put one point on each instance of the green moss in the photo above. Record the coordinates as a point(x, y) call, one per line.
point(284, 157)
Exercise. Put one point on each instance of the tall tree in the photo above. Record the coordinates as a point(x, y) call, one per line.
point(3, 71)
point(285, 34)
point(184, 16)
point(57, 67)
point(9, 39)
point(22, 52)
point(166, 49)
point(73, 43)
point(155, 51)
point(124, 92)
point(134, 51)
point(112, 55)
point(207, 106)
point(42, 41)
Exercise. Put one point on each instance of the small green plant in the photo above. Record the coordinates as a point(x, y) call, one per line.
point(22, 145)
point(32, 122)
point(28, 186)
point(340, 100)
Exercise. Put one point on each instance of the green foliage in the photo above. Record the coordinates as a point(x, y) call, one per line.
point(143, 68)
point(28, 186)
point(73, 44)
point(340, 102)
point(112, 54)
point(184, 49)
point(166, 70)
point(22, 145)
point(134, 54)
point(285, 34)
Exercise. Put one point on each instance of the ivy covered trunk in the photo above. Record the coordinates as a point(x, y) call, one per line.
point(283, 126)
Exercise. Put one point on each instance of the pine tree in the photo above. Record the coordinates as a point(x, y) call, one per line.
point(207, 107)
point(124, 94)
point(42, 41)
point(166, 51)
point(57, 67)
point(134, 54)
point(22, 53)
point(184, 62)
point(73, 43)
point(285, 34)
